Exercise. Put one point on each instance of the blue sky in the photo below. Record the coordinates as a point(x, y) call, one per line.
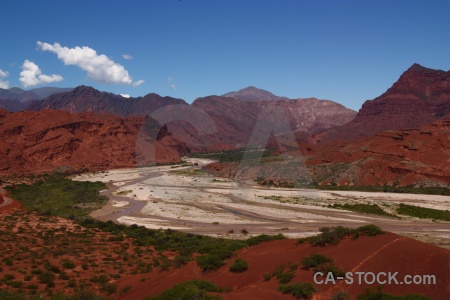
point(346, 51)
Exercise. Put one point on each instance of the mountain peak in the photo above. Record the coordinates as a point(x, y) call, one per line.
point(419, 68)
point(252, 93)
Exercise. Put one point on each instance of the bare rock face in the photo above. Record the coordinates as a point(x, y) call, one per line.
point(400, 157)
point(419, 97)
point(236, 120)
point(52, 140)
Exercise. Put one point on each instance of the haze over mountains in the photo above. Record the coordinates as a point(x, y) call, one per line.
point(16, 99)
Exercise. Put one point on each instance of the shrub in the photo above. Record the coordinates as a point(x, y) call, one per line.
point(285, 277)
point(239, 265)
point(27, 277)
point(46, 277)
point(333, 235)
point(109, 288)
point(15, 284)
point(8, 261)
point(193, 289)
point(210, 262)
point(330, 268)
point(68, 264)
point(181, 260)
point(264, 238)
point(341, 295)
point(376, 294)
point(299, 290)
point(315, 260)
point(322, 263)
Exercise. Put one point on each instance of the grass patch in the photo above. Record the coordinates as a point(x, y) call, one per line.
point(333, 235)
point(423, 212)
point(372, 209)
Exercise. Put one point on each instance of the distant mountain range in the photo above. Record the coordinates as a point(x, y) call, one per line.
point(234, 118)
point(395, 138)
point(88, 99)
point(252, 93)
point(16, 99)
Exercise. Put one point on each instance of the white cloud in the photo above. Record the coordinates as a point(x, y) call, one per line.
point(125, 95)
point(31, 75)
point(138, 83)
point(99, 68)
point(172, 85)
point(127, 56)
point(4, 84)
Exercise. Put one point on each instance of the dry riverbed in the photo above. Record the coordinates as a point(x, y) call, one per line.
point(187, 199)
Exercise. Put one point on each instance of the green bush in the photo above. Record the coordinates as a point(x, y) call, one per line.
point(210, 262)
point(193, 289)
point(333, 235)
point(285, 277)
point(281, 274)
point(239, 265)
point(330, 268)
point(108, 288)
point(181, 260)
point(376, 294)
point(341, 295)
point(264, 238)
point(315, 260)
point(46, 277)
point(68, 264)
point(299, 290)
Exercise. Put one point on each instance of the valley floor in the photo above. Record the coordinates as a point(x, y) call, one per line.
point(184, 198)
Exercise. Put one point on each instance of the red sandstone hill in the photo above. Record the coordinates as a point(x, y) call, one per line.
point(48, 140)
point(400, 157)
point(419, 97)
point(418, 157)
point(236, 120)
point(384, 253)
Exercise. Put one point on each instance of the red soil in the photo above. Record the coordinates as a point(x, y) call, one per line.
point(7, 204)
point(384, 253)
